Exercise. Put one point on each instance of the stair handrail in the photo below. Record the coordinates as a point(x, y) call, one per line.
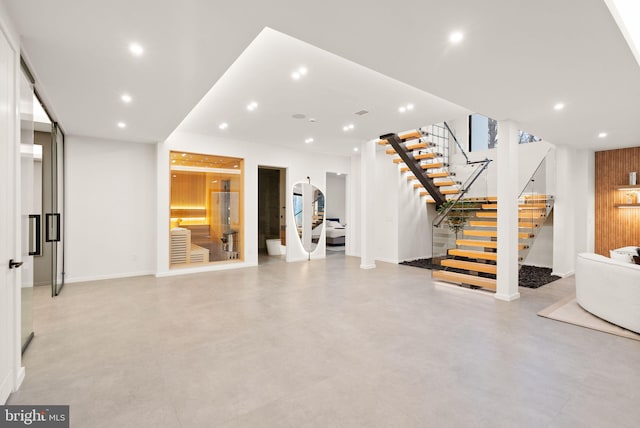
point(544, 159)
point(465, 188)
point(457, 142)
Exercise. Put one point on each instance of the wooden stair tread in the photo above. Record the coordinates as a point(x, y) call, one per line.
point(438, 174)
point(472, 266)
point(424, 166)
point(522, 215)
point(477, 243)
point(409, 147)
point(450, 191)
point(403, 136)
point(417, 157)
point(472, 254)
point(494, 234)
point(462, 278)
point(444, 183)
point(520, 206)
point(480, 223)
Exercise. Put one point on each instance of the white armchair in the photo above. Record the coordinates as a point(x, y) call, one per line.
point(609, 289)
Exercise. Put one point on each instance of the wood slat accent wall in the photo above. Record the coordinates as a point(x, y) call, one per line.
point(615, 227)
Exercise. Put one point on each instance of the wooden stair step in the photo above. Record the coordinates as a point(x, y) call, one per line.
point(403, 136)
point(494, 234)
point(417, 157)
point(444, 183)
point(484, 244)
point(520, 206)
point(462, 278)
point(414, 146)
point(480, 223)
point(483, 255)
point(450, 191)
point(527, 215)
point(472, 266)
point(438, 174)
point(424, 166)
point(477, 243)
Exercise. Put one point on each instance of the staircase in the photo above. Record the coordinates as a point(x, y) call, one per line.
point(424, 162)
point(473, 260)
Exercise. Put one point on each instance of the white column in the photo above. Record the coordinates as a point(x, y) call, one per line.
point(507, 284)
point(367, 204)
point(564, 221)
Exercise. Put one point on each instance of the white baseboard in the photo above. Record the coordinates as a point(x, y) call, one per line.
point(5, 388)
point(209, 268)
point(383, 259)
point(19, 378)
point(507, 297)
point(71, 280)
point(564, 275)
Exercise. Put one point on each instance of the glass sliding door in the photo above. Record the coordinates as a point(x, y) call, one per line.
point(30, 208)
point(54, 230)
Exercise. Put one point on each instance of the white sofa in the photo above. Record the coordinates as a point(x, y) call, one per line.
point(609, 289)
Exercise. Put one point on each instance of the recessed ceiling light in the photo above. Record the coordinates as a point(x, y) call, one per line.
point(456, 37)
point(402, 109)
point(602, 135)
point(355, 149)
point(252, 106)
point(136, 49)
point(122, 125)
point(126, 98)
point(558, 106)
point(348, 127)
point(223, 125)
point(308, 140)
point(351, 126)
point(337, 173)
point(409, 107)
point(299, 72)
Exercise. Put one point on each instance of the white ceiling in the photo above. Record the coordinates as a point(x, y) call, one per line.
point(517, 60)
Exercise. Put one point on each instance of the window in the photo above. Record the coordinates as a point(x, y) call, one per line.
point(483, 133)
point(206, 211)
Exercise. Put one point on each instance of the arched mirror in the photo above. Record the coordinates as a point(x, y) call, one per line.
point(308, 212)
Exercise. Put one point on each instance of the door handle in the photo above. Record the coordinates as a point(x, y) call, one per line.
point(13, 264)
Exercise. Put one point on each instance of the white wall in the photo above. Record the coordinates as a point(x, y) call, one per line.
point(299, 166)
point(111, 209)
point(336, 197)
point(11, 372)
point(387, 186)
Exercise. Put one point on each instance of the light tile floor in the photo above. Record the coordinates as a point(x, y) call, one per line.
point(322, 344)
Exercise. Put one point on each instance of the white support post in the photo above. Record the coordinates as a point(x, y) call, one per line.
point(564, 215)
point(367, 204)
point(507, 283)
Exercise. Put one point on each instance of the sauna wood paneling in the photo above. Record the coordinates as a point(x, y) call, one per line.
point(615, 227)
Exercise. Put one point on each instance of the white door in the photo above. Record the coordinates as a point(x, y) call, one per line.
point(8, 286)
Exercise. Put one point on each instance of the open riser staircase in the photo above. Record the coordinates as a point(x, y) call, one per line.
point(468, 257)
point(471, 259)
point(422, 157)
